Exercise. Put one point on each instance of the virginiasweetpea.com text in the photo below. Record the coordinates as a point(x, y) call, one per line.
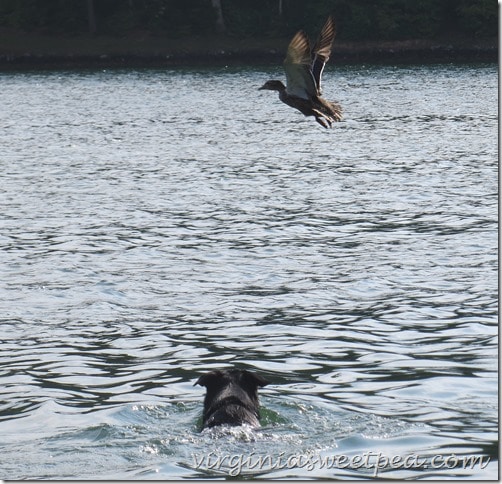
point(372, 462)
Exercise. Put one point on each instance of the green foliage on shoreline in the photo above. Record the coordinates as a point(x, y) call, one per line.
point(356, 19)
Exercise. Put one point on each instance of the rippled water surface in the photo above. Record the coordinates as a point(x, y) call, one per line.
point(158, 224)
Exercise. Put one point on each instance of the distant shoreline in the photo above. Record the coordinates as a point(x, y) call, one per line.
point(19, 52)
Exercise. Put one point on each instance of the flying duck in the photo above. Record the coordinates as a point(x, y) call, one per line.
point(304, 68)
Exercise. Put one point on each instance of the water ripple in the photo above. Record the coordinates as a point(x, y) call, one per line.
point(149, 237)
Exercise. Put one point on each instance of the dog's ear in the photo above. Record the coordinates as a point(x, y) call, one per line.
point(254, 379)
point(206, 379)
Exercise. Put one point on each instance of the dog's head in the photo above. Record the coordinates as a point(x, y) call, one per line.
point(231, 387)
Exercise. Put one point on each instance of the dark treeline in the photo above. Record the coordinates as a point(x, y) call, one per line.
point(357, 20)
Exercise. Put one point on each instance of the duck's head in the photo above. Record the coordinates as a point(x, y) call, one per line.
point(273, 86)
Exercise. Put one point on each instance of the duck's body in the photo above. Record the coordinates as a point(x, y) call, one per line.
point(303, 77)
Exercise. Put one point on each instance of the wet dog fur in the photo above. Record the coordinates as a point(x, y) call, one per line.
point(231, 397)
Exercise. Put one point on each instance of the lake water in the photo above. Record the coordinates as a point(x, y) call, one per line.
point(157, 224)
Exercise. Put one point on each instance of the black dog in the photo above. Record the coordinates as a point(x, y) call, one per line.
point(231, 397)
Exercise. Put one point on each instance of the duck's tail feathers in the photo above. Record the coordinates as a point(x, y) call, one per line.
point(336, 111)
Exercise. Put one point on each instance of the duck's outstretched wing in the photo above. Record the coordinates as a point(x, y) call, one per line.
point(299, 79)
point(322, 51)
